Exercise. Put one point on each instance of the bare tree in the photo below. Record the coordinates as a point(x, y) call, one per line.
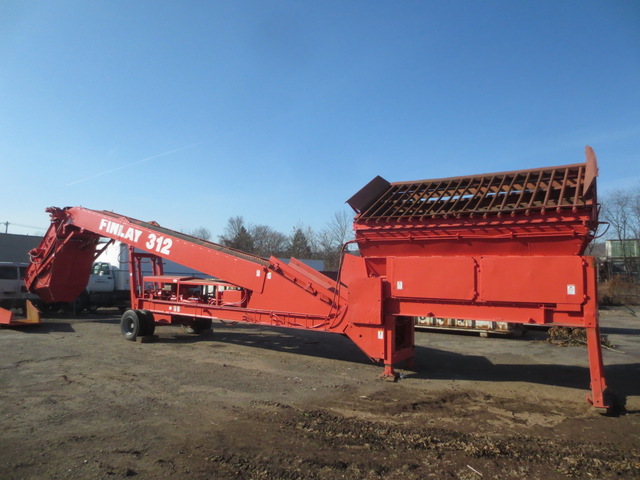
point(201, 232)
point(337, 232)
point(635, 214)
point(617, 211)
point(236, 235)
point(267, 241)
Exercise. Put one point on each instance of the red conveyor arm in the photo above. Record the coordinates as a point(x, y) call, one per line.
point(61, 264)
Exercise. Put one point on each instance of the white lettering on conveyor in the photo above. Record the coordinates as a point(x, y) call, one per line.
point(159, 244)
point(118, 230)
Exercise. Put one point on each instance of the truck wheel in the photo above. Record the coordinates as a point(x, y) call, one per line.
point(148, 324)
point(130, 325)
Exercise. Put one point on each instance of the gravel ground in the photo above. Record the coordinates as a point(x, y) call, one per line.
point(78, 401)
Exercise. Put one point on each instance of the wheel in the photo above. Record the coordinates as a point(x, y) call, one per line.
point(131, 325)
point(148, 324)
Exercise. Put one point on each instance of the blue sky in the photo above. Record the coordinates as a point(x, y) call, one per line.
point(190, 112)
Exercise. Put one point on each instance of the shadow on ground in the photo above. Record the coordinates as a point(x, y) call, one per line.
point(431, 363)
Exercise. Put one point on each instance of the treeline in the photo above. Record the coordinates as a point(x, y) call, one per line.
point(303, 243)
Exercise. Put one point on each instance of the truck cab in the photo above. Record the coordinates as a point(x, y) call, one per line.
point(107, 278)
point(102, 278)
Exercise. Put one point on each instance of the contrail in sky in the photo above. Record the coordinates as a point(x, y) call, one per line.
point(132, 164)
point(226, 134)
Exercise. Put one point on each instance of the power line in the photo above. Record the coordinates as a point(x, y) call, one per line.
point(6, 226)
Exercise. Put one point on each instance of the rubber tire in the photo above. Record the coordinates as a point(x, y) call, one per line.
point(131, 325)
point(148, 323)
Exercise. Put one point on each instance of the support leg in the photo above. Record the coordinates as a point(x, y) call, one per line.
point(596, 369)
point(389, 373)
point(399, 343)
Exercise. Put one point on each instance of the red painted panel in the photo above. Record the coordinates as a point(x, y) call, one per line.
point(233, 297)
point(532, 279)
point(365, 301)
point(450, 278)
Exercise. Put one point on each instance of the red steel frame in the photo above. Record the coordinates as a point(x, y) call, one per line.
point(501, 247)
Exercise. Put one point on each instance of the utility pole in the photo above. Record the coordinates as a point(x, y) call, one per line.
point(6, 227)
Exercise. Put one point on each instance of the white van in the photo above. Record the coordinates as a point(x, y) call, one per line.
point(13, 292)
